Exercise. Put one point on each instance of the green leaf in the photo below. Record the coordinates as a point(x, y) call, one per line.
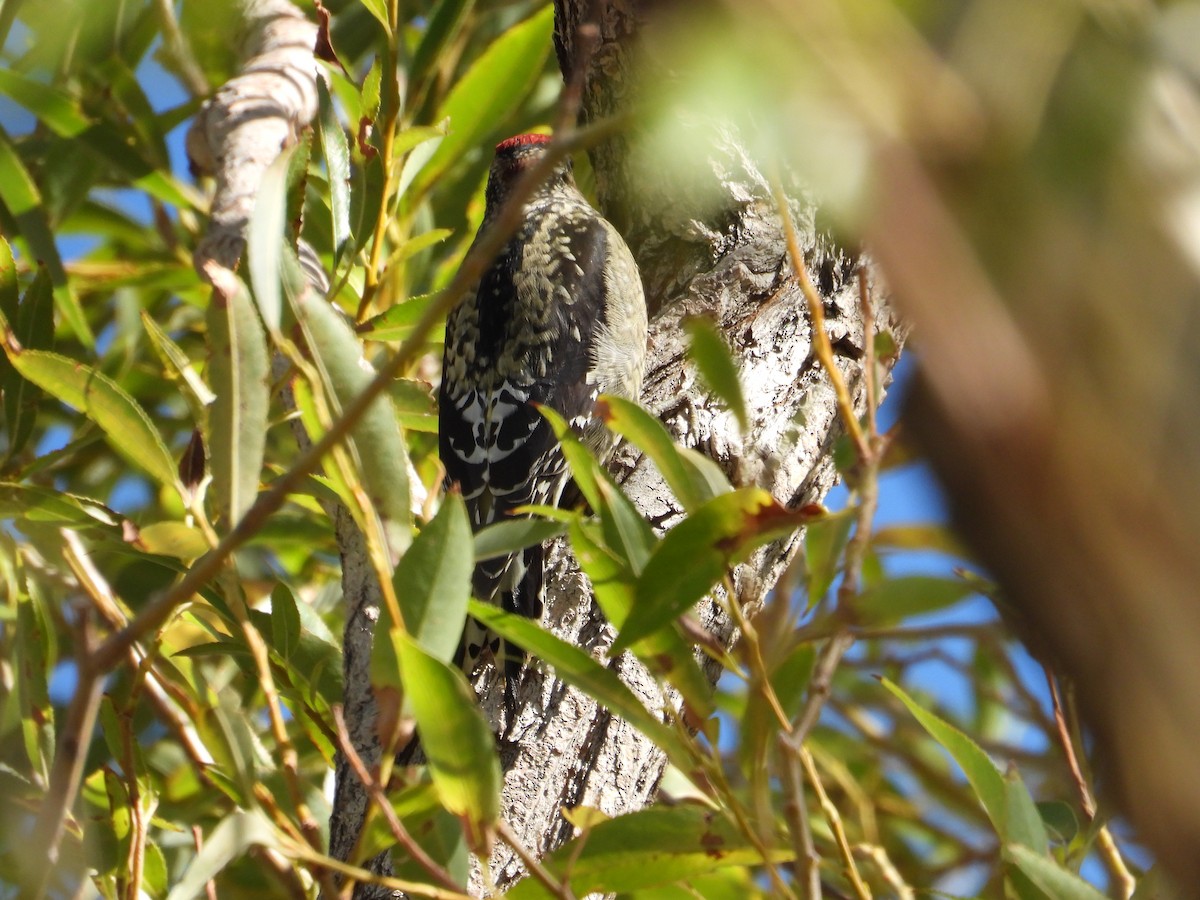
point(657, 846)
point(494, 85)
point(416, 410)
point(331, 481)
point(377, 444)
point(240, 371)
point(716, 366)
point(33, 327)
point(1059, 819)
point(297, 634)
point(57, 110)
point(175, 539)
point(366, 197)
point(695, 555)
point(579, 670)
point(378, 8)
point(155, 875)
point(625, 531)
point(370, 90)
point(416, 162)
point(1006, 801)
point(38, 504)
point(120, 814)
point(648, 434)
point(510, 535)
point(397, 321)
point(285, 622)
point(337, 160)
point(415, 245)
point(664, 653)
point(1024, 823)
point(433, 580)
point(895, 599)
point(709, 479)
point(179, 367)
point(265, 241)
point(457, 740)
point(939, 538)
point(1051, 878)
point(9, 289)
point(32, 650)
point(128, 429)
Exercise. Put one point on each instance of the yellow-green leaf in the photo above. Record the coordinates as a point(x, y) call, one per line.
point(646, 849)
point(457, 740)
point(125, 424)
point(172, 539)
point(695, 555)
point(377, 444)
point(239, 369)
point(433, 580)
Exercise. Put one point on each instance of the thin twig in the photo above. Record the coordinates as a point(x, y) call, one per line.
point(375, 789)
point(835, 825)
point(1106, 845)
point(165, 696)
point(887, 870)
point(754, 657)
point(139, 816)
point(1064, 736)
point(289, 759)
point(868, 445)
point(820, 340)
point(805, 864)
point(304, 853)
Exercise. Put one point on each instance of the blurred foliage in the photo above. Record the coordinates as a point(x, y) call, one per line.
point(215, 733)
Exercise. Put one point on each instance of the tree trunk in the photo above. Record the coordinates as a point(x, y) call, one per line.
point(728, 263)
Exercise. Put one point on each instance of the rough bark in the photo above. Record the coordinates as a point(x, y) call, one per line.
point(727, 262)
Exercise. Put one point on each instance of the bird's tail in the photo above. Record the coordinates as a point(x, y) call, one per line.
point(518, 590)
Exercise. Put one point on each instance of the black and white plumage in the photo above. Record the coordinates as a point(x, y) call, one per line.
point(557, 319)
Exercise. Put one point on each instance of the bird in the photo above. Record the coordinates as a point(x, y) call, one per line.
point(556, 319)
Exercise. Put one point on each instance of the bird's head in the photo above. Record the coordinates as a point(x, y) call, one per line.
point(516, 156)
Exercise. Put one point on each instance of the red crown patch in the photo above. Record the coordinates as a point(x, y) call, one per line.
point(522, 140)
